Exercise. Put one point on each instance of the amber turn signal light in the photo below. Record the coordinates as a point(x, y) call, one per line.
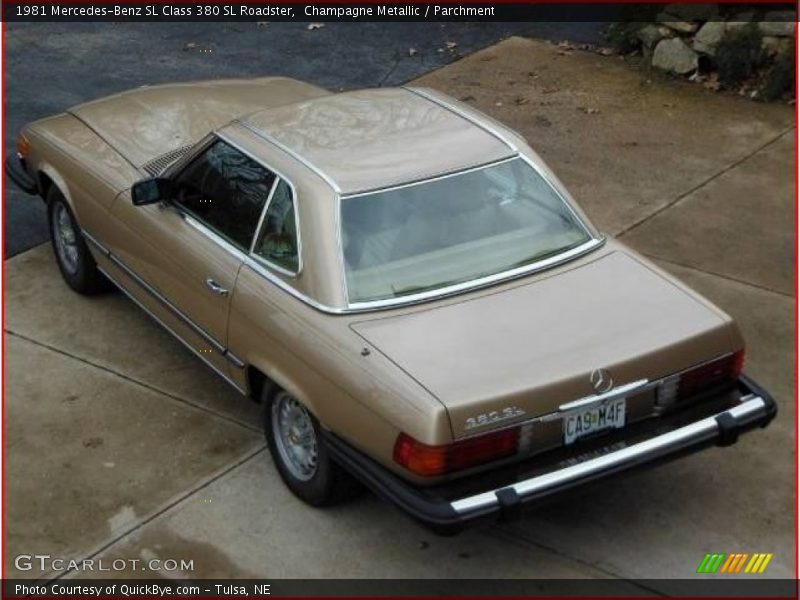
point(23, 147)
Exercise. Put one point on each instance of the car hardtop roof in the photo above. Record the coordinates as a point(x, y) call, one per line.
point(371, 139)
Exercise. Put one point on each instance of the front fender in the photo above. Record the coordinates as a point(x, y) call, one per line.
point(44, 172)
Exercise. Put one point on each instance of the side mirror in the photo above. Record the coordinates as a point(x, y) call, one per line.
point(150, 191)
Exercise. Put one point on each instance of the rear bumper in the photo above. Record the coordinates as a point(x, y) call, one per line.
point(448, 507)
point(15, 170)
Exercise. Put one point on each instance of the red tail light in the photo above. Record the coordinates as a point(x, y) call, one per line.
point(711, 374)
point(427, 460)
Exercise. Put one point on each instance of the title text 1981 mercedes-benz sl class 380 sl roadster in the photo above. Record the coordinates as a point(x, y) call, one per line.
point(409, 290)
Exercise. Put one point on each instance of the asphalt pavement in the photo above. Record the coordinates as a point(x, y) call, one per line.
point(52, 66)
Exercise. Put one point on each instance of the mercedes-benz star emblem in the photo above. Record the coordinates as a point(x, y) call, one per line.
point(601, 380)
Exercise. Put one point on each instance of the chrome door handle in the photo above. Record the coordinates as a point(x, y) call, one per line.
point(215, 287)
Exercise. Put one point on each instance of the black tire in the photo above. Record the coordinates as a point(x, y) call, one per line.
point(329, 484)
point(82, 275)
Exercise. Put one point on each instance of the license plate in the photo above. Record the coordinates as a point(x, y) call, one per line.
point(581, 423)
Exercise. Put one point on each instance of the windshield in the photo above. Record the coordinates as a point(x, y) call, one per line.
point(453, 230)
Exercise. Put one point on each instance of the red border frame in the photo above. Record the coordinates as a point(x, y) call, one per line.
point(796, 253)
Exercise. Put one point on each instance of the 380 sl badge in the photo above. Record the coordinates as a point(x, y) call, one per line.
point(494, 416)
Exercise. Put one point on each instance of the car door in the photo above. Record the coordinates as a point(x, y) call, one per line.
point(189, 248)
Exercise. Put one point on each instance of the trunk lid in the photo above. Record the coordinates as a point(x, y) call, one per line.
point(527, 349)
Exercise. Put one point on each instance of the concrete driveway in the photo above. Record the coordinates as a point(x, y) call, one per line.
point(121, 444)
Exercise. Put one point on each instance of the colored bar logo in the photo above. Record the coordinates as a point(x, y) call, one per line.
point(732, 564)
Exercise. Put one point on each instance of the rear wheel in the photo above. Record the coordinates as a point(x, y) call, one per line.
point(293, 437)
point(77, 266)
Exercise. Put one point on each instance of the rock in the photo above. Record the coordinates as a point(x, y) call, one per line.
point(778, 23)
point(651, 35)
point(740, 20)
point(709, 36)
point(675, 56)
point(691, 11)
point(773, 45)
point(677, 24)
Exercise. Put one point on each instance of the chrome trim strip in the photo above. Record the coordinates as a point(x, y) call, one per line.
point(458, 112)
point(261, 270)
point(419, 298)
point(430, 178)
point(263, 214)
point(105, 251)
point(174, 334)
point(700, 431)
point(234, 360)
point(164, 301)
point(200, 227)
point(270, 265)
point(475, 284)
point(291, 152)
point(635, 387)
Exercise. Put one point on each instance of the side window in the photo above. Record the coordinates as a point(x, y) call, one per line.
point(226, 190)
point(277, 240)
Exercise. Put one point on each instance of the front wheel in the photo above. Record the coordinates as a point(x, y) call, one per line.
point(75, 262)
point(300, 455)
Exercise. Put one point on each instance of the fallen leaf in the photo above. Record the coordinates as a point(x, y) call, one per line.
point(412, 51)
point(450, 45)
point(589, 110)
point(520, 100)
point(713, 83)
point(190, 45)
point(313, 26)
point(498, 104)
point(550, 90)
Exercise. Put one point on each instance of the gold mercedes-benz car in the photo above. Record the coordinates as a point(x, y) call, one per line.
point(402, 282)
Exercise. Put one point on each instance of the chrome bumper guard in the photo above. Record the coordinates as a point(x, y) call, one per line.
point(755, 408)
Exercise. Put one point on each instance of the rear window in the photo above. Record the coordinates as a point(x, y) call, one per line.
point(453, 230)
